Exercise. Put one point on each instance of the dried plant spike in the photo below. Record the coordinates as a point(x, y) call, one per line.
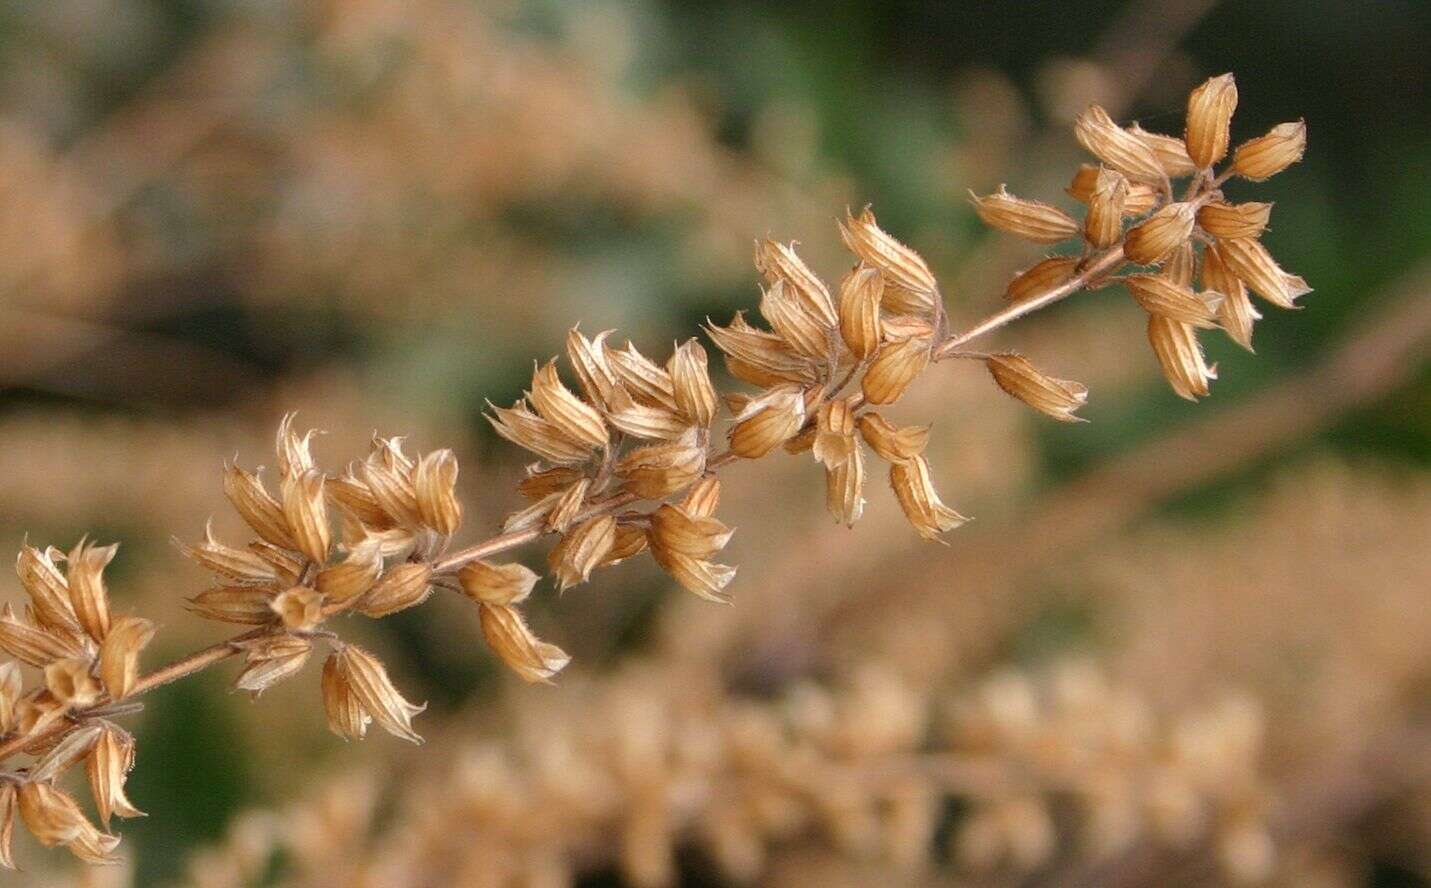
point(1058, 398)
point(893, 369)
point(1262, 158)
point(910, 287)
point(434, 481)
point(1159, 295)
point(1161, 233)
point(1171, 152)
point(498, 584)
point(1209, 120)
point(1028, 219)
point(119, 654)
point(1103, 225)
point(1250, 261)
point(860, 294)
point(1115, 146)
point(1224, 220)
point(510, 639)
point(108, 768)
point(365, 674)
point(1041, 278)
point(1180, 355)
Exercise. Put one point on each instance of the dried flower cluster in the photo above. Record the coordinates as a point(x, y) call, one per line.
point(627, 460)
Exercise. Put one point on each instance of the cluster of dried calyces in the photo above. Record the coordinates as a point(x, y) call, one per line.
point(643, 764)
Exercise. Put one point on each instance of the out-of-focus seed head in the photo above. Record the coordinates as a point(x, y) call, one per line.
point(1058, 398)
point(909, 285)
point(860, 295)
point(1266, 156)
point(434, 482)
point(1155, 237)
point(1028, 219)
point(299, 608)
point(510, 639)
point(1224, 220)
point(780, 264)
point(1180, 355)
point(397, 589)
point(1159, 295)
point(691, 383)
point(1209, 120)
point(370, 683)
point(1041, 278)
point(915, 491)
point(1115, 146)
point(119, 654)
point(768, 421)
point(1249, 260)
point(893, 369)
point(499, 584)
point(1103, 225)
point(581, 550)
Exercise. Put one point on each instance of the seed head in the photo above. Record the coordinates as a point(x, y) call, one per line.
point(780, 264)
point(271, 659)
point(573, 417)
point(1235, 314)
point(648, 383)
point(662, 469)
point(1159, 295)
point(588, 359)
point(299, 608)
point(860, 295)
point(920, 501)
point(844, 486)
point(346, 716)
point(890, 442)
point(31, 644)
point(256, 506)
point(1171, 152)
point(909, 285)
point(47, 587)
point(54, 818)
point(355, 574)
point(802, 330)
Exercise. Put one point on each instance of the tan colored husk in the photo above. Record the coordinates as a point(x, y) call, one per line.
point(500, 584)
point(1115, 146)
point(1225, 220)
point(299, 608)
point(767, 421)
point(84, 570)
point(10, 689)
point(1017, 376)
point(893, 369)
point(270, 660)
point(648, 383)
point(759, 357)
point(1180, 355)
point(245, 605)
point(542, 482)
point(861, 291)
point(354, 575)
point(258, 508)
point(71, 683)
point(1209, 120)
point(67, 753)
point(910, 287)
point(915, 491)
point(524, 428)
point(780, 264)
point(1249, 260)
point(1171, 152)
point(1041, 278)
point(399, 588)
point(630, 540)
point(567, 505)
point(241, 566)
point(1161, 233)
point(374, 690)
point(554, 402)
point(1159, 295)
point(1236, 313)
point(434, 481)
point(1262, 158)
point(1028, 219)
point(1103, 225)
point(345, 714)
point(510, 639)
point(8, 800)
point(581, 549)
point(801, 329)
point(47, 588)
point(844, 486)
point(673, 529)
point(703, 497)
point(890, 442)
point(1140, 198)
point(691, 383)
point(119, 654)
point(54, 818)
point(593, 370)
point(31, 644)
point(661, 469)
point(108, 768)
point(306, 510)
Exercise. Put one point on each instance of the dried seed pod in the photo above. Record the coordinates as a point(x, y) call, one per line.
point(890, 442)
point(85, 574)
point(759, 357)
point(239, 565)
point(1235, 314)
point(1180, 266)
point(108, 767)
point(662, 469)
point(702, 578)
point(803, 331)
point(581, 549)
point(691, 383)
point(500, 584)
point(392, 488)
point(73, 747)
point(909, 285)
point(244, 605)
point(1249, 260)
point(589, 360)
point(1224, 220)
point(920, 501)
point(1159, 295)
point(524, 428)
point(834, 432)
point(567, 506)
point(893, 369)
point(294, 454)
point(365, 674)
point(299, 608)
point(1180, 355)
point(630, 540)
point(399, 588)
point(355, 574)
point(11, 687)
point(553, 401)
point(541, 483)
point(47, 587)
point(703, 497)
point(346, 716)
point(1103, 225)
point(1155, 237)
point(1171, 152)
point(54, 818)
point(434, 482)
point(271, 659)
point(1265, 156)
point(306, 510)
point(33, 645)
point(844, 487)
point(8, 794)
point(1115, 146)
point(648, 383)
point(532, 515)
point(119, 655)
point(642, 421)
point(510, 639)
point(1017, 376)
point(1028, 219)
point(779, 264)
point(256, 506)
point(71, 683)
point(1041, 278)
point(674, 530)
point(355, 499)
point(768, 421)
point(860, 295)
point(1209, 120)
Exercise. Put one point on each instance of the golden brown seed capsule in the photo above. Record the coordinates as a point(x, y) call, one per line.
point(11, 686)
point(32, 644)
point(662, 469)
point(1158, 235)
point(581, 550)
point(674, 530)
point(844, 487)
point(47, 587)
point(759, 357)
point(1249, 260)
point(1017, 376)
point(306, 510)
point(910, 287)
point(703, 497)
point(270, 660)
point(1236, 314)
point(517, 424)
point(642, 421)
point(88, 594)
point(554, 402)
point(893, 369)
point(355, 574)
point(370, 683)
point(630, 540)
point(239, 565)
point(920, 501)
point(593, 371)
point(1041, 278)
point(346, 716)
point(860, 295)
point(353, 497)
point(1141, 199)
point(501, 584)
point(397, 589)
point(434, 482)
point(1224, 220)
point(294, 453)
point(1266, 156)
point(691, 383)
point(1171, 152)
point(510, 639)
point(890, 442)
point(1028, 219)
point(1103, 225)
point(1181, 265)
point(1159, 295)
point(54, 818)
point(779, 263)
point(768, 421)
point(245, 605)
point(1180, 355)
point(568, 504)
point(796, 325)
point(257, 506)
point(1115, 146)
point(71, 683)
point(299, 608)
point(646, 382)
point(541, 483)
point(1209, 120)
point(119, 655)
point(108, 768)
point(702, 578)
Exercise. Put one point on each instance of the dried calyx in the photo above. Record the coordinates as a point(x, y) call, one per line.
point(626, 460)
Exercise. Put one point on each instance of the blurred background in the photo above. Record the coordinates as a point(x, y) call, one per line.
point(378, 213)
